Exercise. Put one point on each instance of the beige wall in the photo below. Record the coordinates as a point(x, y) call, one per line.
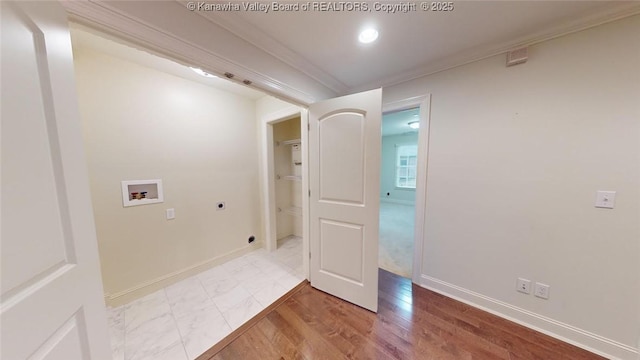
point(143, 124)
point(516, 156)
point(269, 105)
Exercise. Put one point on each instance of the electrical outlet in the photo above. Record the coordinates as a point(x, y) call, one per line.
point(523, 286)
point(541, 290)
point(605, 199)
point(171, 214)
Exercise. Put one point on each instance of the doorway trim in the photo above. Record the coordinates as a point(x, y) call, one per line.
point(268, 177)
point(422, 102)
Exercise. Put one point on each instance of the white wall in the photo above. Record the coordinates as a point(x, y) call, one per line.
point(270, 105)
point(388, 169)
point(516, 156)
point(143, 124)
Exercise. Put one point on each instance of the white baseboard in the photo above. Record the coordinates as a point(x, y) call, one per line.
point(565, 332)
point(147, 287)
point(396, 201)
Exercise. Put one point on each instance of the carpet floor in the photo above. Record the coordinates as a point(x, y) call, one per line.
point(396, 238)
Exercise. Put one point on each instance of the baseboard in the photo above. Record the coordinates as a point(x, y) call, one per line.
point(148, 287)
point(565, 332)
point(396, 201)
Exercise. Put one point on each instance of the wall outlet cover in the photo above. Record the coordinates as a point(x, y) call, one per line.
point(541, 290)
point(523, 286)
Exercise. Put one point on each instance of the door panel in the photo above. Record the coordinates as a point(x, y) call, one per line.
point(349, 238)
point(31, 177)
point(51, 301)
point(344, 164)
point(65, 343)
point(341, 142)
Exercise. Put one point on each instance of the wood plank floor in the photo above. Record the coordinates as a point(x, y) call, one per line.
point(412, 323)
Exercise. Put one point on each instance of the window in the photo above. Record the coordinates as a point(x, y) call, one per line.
point(406, 161)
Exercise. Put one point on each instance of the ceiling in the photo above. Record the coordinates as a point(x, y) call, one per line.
point(306, 56)
point(84, 39)
point(397, 123)
point(409, 43)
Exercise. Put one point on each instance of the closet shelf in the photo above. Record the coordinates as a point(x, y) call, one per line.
point(291, 177)
point(294, 210)
point(290, 142)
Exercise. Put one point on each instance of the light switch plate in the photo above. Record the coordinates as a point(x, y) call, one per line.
point(171, 214)
point(605, 199)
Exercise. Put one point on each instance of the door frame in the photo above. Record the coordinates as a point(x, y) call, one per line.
point(422, 102)
point(268, 180)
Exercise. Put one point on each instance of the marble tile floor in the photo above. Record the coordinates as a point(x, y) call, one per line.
point(183, 320)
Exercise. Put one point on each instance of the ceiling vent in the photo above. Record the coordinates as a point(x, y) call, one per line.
point(517, 56)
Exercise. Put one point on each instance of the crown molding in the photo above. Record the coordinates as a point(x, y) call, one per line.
point(318, 84)
point(482, 52)
point(103, 17)
point(240, 27)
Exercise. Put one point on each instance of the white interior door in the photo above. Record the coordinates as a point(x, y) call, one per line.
point(51, 300)
point(344, 175)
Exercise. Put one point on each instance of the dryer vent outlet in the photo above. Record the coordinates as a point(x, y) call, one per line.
point(251, 239)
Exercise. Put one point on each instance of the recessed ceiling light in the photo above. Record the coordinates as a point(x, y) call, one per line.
point(203, 73)
point(368, 36)
point(414, 124)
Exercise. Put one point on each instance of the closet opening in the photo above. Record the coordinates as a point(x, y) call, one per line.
point(287, 162)
point(286, 206)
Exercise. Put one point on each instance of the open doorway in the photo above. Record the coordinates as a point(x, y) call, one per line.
point(284, 151)
point(398, 180)
point(287, 166)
